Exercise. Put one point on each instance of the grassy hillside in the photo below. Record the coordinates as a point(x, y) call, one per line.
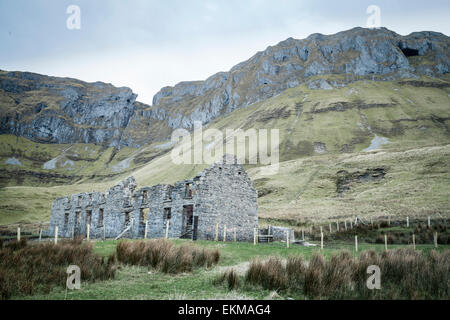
point(370, 148)
point(416, 183)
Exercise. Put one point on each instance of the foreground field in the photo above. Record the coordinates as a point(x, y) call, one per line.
point(134, 282)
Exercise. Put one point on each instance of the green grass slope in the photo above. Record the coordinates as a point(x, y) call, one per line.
point(328, 139)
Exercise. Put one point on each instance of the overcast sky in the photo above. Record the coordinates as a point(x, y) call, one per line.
point(149, 44)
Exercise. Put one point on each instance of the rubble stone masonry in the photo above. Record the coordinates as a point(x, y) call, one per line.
point(221, 196)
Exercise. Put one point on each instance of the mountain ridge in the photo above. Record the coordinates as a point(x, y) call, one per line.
point(102, 114)
point(290, 58)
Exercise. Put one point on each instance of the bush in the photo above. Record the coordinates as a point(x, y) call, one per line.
point(25, 269)
point(390, 239)
point(164, 256)
point(270, 274)
point(405, 274)
point(384, 224)
point(338, 275)
point(15, 245)
point(314, 276)
point(296, 271)
point(230, 277)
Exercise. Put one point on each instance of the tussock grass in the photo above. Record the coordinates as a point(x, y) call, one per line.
point(230, 277)
point(269, 274)
point(405, 274)
point(165, 257)
point(26, 269)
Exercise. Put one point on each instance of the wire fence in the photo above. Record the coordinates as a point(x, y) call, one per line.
point(375, 230)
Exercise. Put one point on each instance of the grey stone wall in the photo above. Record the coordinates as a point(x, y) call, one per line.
point(279, 233)
point(162, 197)
point(225, 195)
point(221, 195)
point(71, 215)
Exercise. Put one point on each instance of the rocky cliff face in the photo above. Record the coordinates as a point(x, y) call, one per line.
point(358, 53)
point(62, 110)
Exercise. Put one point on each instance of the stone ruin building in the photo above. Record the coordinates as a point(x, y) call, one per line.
point(220, 197)
point(219, 202)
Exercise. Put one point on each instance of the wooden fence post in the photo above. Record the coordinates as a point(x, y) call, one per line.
point(224, 233)
point(321, 241)
point(385, 242)
point(167, 229)
point(88, 226)
point(407, 222)
point(40, 235)
point(217, 232)
point(414, 241)
point(18, 233)
point(287, 239)
point(234, 231)
point(356, 243)
point(146, 229)
point(56, 234)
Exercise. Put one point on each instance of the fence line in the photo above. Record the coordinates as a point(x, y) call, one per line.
point(222, 231)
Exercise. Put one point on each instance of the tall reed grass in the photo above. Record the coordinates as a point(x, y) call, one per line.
point(405, 274)
point(164, 256)
point(230, 277)
point(26, 269)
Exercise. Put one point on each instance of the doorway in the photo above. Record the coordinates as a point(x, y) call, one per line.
point(143, 215)
point(127, 218)
point(188, 215)
point(195, 228)
point(88, 217)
